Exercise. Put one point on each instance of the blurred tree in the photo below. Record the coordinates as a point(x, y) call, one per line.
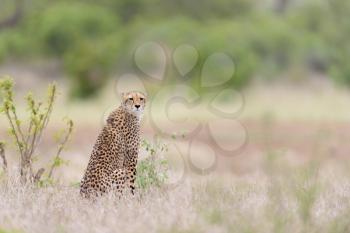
point(328, 26)
point(89, 64)
point(202, 10)
point(62, 26)
point(13, 18)
point(89, 36)
point(281, 5)
point(79, 34)
point(337, 34)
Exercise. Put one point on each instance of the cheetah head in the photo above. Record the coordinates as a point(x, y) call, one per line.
point(134, 102)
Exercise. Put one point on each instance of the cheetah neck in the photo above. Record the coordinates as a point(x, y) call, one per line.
point(137, 115)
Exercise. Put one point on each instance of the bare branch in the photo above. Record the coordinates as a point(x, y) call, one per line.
point(13, 128)
point(38, 175)
point(43, 119)
point(61, 147)
point(3, 157)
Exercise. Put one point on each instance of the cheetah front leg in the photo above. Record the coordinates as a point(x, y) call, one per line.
point(130, 178)
point(130, 169)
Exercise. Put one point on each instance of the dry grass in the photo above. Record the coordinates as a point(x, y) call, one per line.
point(314, 198)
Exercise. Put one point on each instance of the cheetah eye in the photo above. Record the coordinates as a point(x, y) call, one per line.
point(141, 99)
point(130, 98)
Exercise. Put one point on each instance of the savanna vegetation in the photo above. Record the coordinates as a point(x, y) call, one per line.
point(292, 174)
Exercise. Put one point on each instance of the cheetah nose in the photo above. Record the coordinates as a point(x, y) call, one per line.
point(137, 106)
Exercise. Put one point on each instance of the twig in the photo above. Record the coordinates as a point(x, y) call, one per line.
point(43, 120)
point(19, 144)
point(3, 157)
point(17, 121)
point(38, 175)
point(61, 147)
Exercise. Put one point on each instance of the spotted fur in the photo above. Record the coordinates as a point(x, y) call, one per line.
point(113, 161)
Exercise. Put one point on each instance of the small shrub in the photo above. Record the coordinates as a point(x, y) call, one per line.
point(152, 171)
point(27, 134)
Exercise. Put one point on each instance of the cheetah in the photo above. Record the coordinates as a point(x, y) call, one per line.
point(113, 161)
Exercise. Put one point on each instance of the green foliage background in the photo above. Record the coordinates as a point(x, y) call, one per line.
point(92, 39)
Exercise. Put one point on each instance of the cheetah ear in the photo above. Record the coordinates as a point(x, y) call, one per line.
point(123, 95)
point(144, 94)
